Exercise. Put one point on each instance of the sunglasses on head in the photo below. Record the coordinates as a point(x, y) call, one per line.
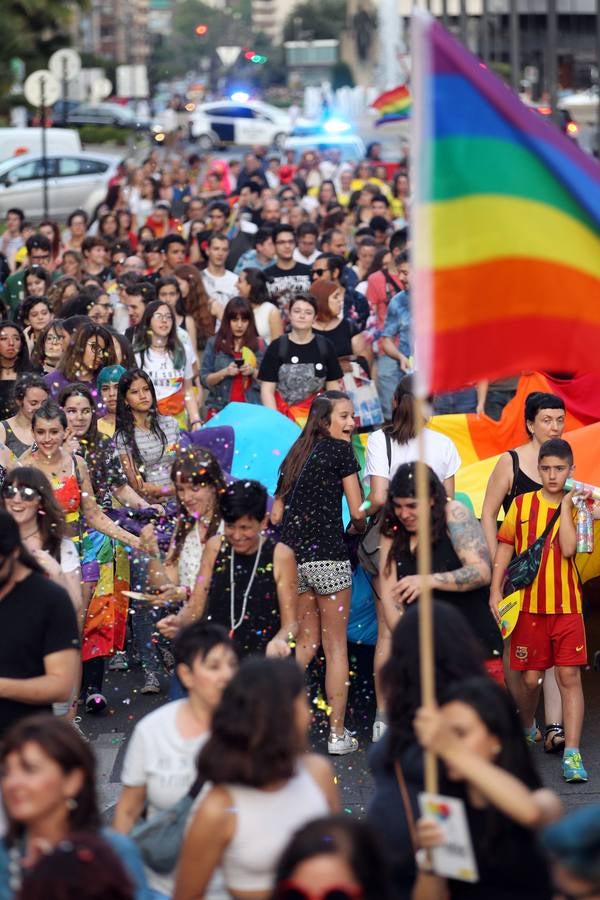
point(287, 890)
point(27, 494)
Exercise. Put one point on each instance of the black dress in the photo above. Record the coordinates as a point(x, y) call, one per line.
point(261, 620)
point(473, 605)
point(522, 483)
point(312, 523)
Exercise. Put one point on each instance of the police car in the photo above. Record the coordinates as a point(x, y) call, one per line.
point(227, 122)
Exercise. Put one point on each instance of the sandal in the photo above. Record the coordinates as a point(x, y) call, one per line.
point(554, 738)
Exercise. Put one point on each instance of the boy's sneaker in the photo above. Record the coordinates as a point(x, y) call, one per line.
point(572, 767)
point(340, 744)
point(118, 662)
point(151, 684)
point(531, 734)
point(379, 729)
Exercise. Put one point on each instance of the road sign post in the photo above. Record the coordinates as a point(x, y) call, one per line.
point(41, 89)
point(65, 65)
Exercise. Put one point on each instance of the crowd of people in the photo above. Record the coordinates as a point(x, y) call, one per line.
point(125, 541)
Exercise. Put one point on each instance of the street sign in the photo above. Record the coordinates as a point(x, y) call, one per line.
point(101, 89)
point(65, 64)
point(228, 55)
point(132, 81)
point(41, 86)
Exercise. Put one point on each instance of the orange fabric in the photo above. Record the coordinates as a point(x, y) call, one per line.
point(173, 405)
point(67, 493)
point(297, 412)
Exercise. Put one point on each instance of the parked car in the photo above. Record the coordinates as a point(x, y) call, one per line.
point(226, 122)
point(75, 181)
point(106, 114)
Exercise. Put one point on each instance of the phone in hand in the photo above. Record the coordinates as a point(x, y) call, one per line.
point(239, 363)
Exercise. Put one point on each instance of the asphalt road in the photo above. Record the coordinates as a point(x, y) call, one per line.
point(110, 731)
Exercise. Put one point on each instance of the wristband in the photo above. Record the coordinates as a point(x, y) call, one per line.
point(196, 422)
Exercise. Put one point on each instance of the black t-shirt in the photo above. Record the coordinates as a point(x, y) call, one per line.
point(312, 523)
point(286, 282)
point(299, 370)
point(36, 618)
point(341, 337)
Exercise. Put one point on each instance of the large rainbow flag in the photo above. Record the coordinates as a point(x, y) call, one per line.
point(393, 105)
point(506, 224)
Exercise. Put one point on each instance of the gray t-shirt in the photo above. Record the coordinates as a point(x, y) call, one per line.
point(156, 459)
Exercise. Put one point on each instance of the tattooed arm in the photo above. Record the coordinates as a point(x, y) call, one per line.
point(471, 548)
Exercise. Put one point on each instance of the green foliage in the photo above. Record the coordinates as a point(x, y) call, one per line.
point(104, 134)
point(32, 30)
point(318, 20)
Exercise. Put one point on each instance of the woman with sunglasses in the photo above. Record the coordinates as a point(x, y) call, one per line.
point(336, 858)
point(90, 349)
point(30, 392)
point(49, 347)
point(231, 359)
point(167, 362)
point(28, 496)
point(14, 360)
point(252, 286)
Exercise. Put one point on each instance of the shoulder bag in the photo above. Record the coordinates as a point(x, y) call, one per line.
point(368, 549)
point(159, 839)
point(522, 569)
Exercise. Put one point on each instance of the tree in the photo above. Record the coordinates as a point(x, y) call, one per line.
point(32, 30)
point(318, 20)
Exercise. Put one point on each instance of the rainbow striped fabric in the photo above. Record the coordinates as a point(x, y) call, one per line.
point(393, 105)
point(506, 226)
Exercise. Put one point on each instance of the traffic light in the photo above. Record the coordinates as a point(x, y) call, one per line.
point(254, 57)
point(201, 30)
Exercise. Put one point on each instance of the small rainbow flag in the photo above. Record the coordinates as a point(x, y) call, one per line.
point(506, 227)
point(393, 105)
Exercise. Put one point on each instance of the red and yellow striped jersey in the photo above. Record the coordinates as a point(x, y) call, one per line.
point(557, 587)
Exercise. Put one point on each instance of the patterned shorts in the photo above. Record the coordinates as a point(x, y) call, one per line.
point(326, 576)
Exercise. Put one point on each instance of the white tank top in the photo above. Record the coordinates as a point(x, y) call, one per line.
point(265, 822)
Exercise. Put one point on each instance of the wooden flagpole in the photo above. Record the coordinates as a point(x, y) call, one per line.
point(426, 655)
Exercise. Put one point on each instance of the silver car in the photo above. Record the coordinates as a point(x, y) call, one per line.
point(75, 181)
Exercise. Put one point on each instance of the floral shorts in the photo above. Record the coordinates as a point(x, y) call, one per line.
point(325, 576)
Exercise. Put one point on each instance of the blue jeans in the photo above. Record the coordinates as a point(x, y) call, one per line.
point(389, 374)
point(143, 621)
point(464, 401)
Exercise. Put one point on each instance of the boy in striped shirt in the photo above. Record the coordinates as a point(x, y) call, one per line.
point(550, 629)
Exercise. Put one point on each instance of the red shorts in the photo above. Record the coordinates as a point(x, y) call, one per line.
point(541, 641)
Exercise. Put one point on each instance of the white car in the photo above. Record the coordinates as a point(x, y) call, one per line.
point(75, 181)
point(226, 122)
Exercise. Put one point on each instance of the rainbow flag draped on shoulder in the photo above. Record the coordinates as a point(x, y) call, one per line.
point(506, 227)
point(393, 105)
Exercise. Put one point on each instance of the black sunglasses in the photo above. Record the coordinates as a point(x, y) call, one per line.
point(317, 273)
point(27, 494)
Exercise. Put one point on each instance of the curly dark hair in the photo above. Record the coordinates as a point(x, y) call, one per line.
point(254, 738)
point(71, 359)
point(125, 424)
point(316, 428)
point(27, 381)
point(195, 465)
point(27, 305)
point(38, 354)
point(58, 740)
point(51, 518)
point(404, 484)
point(458, 655)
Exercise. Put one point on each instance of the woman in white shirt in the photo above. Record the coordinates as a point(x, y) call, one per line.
point(160, 763)
point(387, 449)
point(168, 362)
